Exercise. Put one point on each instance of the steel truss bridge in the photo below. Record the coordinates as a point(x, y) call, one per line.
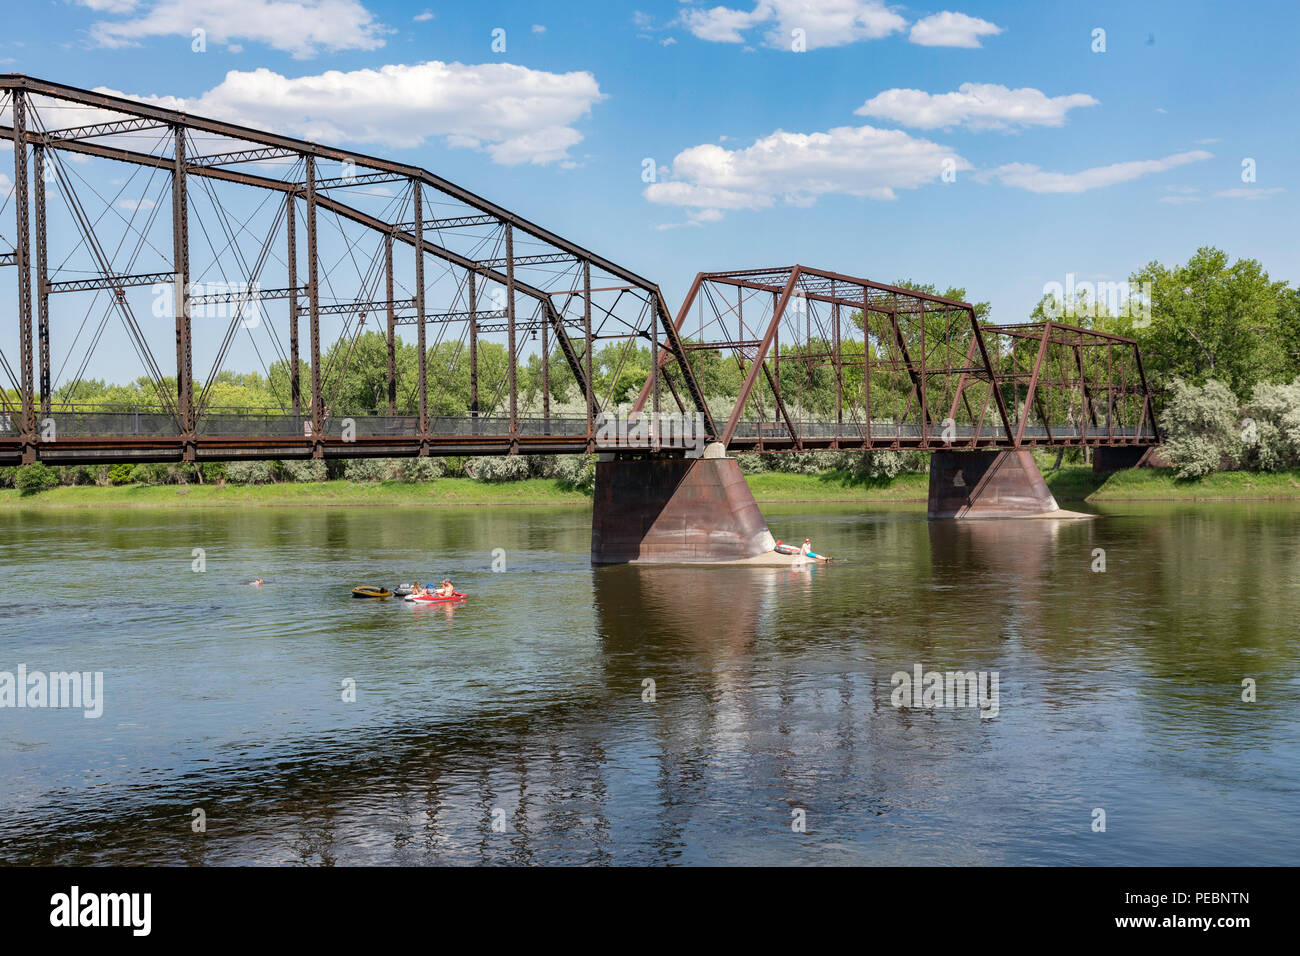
point(230, 239)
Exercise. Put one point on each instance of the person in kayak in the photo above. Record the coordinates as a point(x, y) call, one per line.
point(806, 550)
point(447, 590)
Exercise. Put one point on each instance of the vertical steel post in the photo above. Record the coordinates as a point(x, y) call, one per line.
point(1083, 396)
point(655, 317)
point(586, 331)
point(510, 334)
point(546, 370)
point(313, 312)
point(776, 349)
point(866, 360)
point(1110, 397)
point(839, 370)
point(295, 378)
point(921, 385)
point(423, 376)
point(740, 326)
point(181, 269)
point(42, 280)
point(22, 260)
point(473, 349)
point(392, 324)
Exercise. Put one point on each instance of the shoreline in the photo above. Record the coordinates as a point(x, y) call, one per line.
point(1075, 484)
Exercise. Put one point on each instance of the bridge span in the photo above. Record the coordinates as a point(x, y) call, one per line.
point(229, 239)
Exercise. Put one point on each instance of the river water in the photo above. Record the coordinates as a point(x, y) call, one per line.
point(520, 727)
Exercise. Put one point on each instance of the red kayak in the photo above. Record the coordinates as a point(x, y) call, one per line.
point(434, 599)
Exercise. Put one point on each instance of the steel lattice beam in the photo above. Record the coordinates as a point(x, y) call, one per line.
point(112, 283)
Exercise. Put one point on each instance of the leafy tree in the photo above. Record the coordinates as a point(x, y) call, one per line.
point(1211, 319)
point(1201, 427)
point(34, 478)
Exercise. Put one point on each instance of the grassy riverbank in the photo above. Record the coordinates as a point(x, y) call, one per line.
point(444, 491)
point(770, 487)
point(1159, 484)
point(1070, 484)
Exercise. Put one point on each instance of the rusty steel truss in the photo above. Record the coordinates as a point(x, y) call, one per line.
point(833, 362)
point(242, 222)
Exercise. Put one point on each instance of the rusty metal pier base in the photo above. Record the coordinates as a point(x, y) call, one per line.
point(675, 511)
point(988, 484)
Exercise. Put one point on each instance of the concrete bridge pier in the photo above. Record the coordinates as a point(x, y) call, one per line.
point(675, 510)
point(988, 484)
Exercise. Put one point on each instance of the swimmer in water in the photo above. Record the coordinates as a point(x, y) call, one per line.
point(255, 583)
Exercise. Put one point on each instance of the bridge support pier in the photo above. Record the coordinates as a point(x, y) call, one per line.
point(675, 511)
point(987, 484)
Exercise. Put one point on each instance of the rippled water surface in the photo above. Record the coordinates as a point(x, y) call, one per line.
point(1119, 690)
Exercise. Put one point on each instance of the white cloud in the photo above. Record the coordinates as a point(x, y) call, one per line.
point(109, 6)
point(538, 28)
point(132, 205)
point(515, 114)
point(706, 215)
point(797, 168)
point(694, 217)
point(826, 23)
point(1248, 192)
point(720, 24)
point(975, 106)
point(423, 17)
point(1036, 180)
point(298, 27)
point(952, 29)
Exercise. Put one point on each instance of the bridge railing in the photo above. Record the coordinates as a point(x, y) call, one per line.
point(105, 421)
point(116, 422)
point(88, 421)
point(899, 431)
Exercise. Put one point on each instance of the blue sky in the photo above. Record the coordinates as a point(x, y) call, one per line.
point(764, 155)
